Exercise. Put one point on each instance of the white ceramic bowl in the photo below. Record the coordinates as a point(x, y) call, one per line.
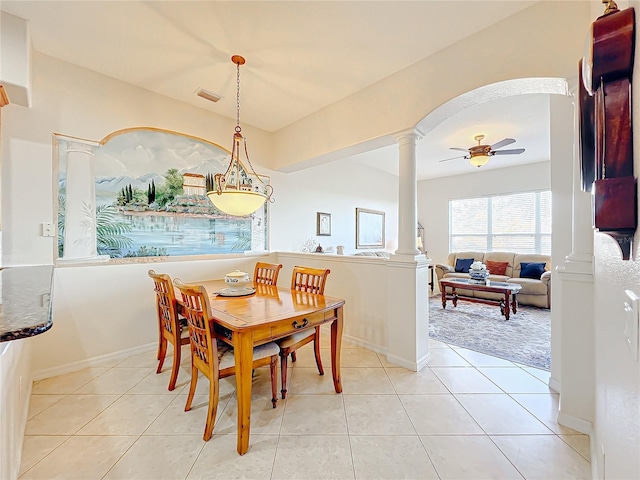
point(237, 280)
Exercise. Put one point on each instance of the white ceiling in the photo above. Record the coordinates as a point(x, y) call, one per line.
point(301, 56)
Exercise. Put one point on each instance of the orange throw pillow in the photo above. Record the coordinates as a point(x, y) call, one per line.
point(497, 268)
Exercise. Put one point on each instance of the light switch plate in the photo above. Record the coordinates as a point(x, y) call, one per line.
point(632, 323)
point(47, 230)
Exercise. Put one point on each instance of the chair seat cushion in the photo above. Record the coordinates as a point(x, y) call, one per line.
point(295, 338)
point(226, 357)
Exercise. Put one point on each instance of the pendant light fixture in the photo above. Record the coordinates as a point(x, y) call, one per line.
point(239, 191)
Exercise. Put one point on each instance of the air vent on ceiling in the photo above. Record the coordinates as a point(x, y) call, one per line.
point(207, 95)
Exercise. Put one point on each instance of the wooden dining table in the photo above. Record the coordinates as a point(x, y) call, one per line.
point(266, 315)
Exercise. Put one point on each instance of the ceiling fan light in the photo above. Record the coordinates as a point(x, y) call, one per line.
point(479, 160)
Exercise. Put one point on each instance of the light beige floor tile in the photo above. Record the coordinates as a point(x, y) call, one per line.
point(543, 457)
point(465, 380)
point(314, 414)
point(478, 359)
point(544, 406)
point(114, 382)
point(391, 458)
point(443, 357)
point(219, 459)
point(82, 458)
point(365, 381)
point(39, 403)
point(377, 415)
point(306, 358)
point(359, 358)
point(313, 457)
point(67, 383)
point(580, 443)
point(466, 457)
point(307, 381)
point(437, 344)
point(158, 383)
point(68, 415)
point(425, 381)
point(514, 380)
point(540, 374)
point(500, 414)
point(158, 457)
point(129, 415)
point(264, 418)
point(439, 415)
point(35, 448)
point(147, 360)
point(174, 419)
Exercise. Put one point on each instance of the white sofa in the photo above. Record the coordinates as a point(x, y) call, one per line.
point(534, 292)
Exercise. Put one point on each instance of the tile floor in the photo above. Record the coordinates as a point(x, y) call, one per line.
point(465, 416)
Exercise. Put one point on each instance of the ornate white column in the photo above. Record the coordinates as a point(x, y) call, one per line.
point(407, 193)
point(407, 271)
point(80, 203)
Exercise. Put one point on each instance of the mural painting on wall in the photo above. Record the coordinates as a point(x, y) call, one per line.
point(150, 198)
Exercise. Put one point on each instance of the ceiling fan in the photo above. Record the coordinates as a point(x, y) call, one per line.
point(479, 155)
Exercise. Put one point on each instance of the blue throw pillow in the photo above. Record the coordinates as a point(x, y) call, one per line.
point(532, 270)
point(463, 264)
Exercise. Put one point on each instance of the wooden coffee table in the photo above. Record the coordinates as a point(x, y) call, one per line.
point(508, 290)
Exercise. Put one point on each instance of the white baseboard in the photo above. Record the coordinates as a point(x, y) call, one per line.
point(92, 362)
point(575, 423)
point(363, 343)
point(554, 384)
point(413, 366)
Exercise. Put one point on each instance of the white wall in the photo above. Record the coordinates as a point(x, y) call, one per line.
point(434, 196)
point(337, 188)
point(617, 395)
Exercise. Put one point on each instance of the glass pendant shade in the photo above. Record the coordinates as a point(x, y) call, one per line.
point(239, 191)
point(479, 160)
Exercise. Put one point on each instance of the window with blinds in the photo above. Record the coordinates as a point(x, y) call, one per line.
point(519, 222)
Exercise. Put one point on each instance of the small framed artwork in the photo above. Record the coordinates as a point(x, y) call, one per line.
point(369, 228)
point(324, 224)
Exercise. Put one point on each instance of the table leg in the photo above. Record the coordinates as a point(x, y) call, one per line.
point(336, 347)
point(443, 291)
point(514, 302)
point(506, 305)
point(455, 296)
point(243, 353)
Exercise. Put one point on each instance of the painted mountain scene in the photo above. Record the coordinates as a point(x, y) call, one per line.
point(150, 189)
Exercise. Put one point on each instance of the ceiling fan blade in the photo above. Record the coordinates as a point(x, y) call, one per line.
point(453, 158)
point(513, 151)
point(460, 149)
point(502, 143)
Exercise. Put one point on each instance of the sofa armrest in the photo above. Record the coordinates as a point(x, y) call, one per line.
point(442, 269)
point(546, 278)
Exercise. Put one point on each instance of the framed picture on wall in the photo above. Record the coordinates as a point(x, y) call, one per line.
point(324, 224)
point(369, 228)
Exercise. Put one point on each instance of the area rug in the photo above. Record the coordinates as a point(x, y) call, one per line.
point(524, 338)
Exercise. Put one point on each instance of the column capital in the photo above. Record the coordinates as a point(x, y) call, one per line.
point(409, 134)
point(75, 144)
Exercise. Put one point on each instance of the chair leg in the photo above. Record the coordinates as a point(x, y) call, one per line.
point(316, 347)
point(274, 379)
point(175, 368)
point(192, 387)
point(283, 372)
point(213, 408)
point(162, 351)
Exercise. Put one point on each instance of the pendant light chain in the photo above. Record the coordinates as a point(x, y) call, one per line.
point(238, 128)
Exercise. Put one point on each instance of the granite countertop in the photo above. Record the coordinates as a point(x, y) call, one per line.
point(25, 305)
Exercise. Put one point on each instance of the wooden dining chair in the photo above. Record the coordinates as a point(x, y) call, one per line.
point(214, 358)
point(171, 327)
point(266, 273)
point(310, 280)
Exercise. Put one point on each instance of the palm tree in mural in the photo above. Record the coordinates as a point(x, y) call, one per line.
point(244, 237)
point(110, 232)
